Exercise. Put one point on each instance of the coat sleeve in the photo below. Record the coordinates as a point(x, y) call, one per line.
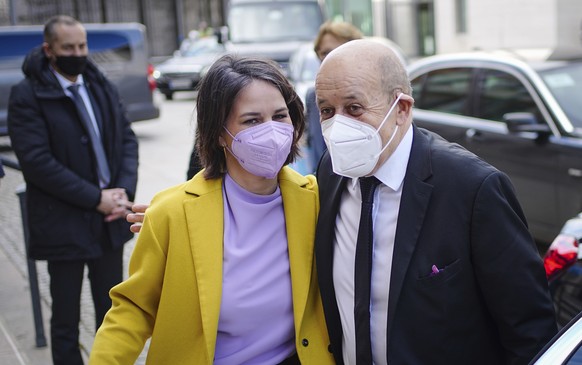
point(30, 141)
point(129, 152)
point(510, 271)
point(130, 321)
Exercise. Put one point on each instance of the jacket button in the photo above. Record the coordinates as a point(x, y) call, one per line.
point(304, 342)
point(329, 349)
point(84, 140)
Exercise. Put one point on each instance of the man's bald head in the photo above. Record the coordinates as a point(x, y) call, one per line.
point(364, 56)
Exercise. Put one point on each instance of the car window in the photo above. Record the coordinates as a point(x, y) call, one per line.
point(274, 21)
point(204, 46)
point(576, 358)
point(502, 93)
point(443, 90)
point(565, 83)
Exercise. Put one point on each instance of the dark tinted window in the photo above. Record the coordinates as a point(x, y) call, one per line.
point(444, 91)
point(15, 46)
point(576, 358)
point(103, 47)
point(502, 93)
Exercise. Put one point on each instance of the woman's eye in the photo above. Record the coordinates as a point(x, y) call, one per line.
point(354, 109)
point(279, 116)
point(251, 121)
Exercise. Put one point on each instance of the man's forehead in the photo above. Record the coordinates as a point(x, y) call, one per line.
point(70, 32)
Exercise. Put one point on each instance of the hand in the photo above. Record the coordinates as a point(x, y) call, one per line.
point(114, 204)
point(136, 217)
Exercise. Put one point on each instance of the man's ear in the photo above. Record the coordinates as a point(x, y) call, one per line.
point(46, 49)
point(404, 110)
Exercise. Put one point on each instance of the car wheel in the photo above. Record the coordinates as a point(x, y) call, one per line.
point(169, 96)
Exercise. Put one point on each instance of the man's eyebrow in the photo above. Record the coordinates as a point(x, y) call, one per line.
point(347, 97)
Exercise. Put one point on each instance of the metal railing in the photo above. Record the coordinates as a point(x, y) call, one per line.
point(40, 337)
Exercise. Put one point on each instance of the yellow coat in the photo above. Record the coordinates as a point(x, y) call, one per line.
point(174, 289)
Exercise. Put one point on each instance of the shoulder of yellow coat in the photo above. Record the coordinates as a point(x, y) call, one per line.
point(287, 174)
point(175, 196)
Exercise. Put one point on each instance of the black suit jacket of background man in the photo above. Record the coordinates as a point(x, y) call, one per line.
point(58, 163)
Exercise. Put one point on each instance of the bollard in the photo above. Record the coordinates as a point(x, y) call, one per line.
point(32, 274)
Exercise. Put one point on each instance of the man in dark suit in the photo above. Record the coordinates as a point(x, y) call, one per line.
point(79, 158)
point(455, 277)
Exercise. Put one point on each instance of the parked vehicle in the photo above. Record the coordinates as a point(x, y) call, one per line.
point(522, 117)
point(119, 49)
point(185, 69)
point(564, 270)
point(271, 28)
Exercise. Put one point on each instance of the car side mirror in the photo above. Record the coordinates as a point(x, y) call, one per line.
point(525, 122)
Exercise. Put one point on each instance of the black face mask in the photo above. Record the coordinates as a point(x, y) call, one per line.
point(71, 65)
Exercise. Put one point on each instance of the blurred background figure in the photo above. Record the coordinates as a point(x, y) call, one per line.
point(331, 35)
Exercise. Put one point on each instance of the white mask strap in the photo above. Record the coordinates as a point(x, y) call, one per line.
point(385, 119)
point(389, 112)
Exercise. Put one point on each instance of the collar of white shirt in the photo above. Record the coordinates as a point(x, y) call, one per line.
point(66, 83)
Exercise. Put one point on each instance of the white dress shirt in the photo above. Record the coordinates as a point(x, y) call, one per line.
point(384, 215)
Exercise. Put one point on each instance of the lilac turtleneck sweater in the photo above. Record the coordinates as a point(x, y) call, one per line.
point(256, 311)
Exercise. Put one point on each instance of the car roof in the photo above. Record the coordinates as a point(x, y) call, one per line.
point(537, 59)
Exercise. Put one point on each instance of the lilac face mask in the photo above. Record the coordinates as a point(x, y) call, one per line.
point(263, 149)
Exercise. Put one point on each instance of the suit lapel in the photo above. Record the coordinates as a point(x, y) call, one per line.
point(414, 202)
point(300, 206)
point(331, 188)
point(205, 227)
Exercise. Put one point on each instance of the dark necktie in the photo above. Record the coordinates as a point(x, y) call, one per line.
point(102, 165)
point(363, 272)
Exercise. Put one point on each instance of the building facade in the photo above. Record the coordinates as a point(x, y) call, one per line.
point(420, 27)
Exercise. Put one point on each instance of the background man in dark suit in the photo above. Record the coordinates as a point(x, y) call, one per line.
point(79, 158)
point(455, 276)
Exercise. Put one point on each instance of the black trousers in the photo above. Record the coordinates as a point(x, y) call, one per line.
point(66, 279)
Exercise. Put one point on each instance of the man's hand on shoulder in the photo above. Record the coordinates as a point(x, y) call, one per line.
point(136, 217)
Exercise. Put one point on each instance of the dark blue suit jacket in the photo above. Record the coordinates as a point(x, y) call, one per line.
point(58, 163)
point(490, 304)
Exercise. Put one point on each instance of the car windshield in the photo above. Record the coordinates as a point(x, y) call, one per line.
point(273, 22)
point(203, 46)
point(565, 83)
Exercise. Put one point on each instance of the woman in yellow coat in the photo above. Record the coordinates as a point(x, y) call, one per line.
point(223, 269)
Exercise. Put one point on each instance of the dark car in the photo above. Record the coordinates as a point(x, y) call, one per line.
point(522, 117)
point(184, 70)
point(119, 49)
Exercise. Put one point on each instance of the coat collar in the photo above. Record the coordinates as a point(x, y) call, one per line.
point(204, 216)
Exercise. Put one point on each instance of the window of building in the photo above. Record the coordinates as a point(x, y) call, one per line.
point(461, 15)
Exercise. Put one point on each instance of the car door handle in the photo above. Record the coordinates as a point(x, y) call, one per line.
point(472, 133)
point(574, 172)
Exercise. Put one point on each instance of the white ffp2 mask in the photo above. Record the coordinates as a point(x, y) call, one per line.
point(354, 146)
